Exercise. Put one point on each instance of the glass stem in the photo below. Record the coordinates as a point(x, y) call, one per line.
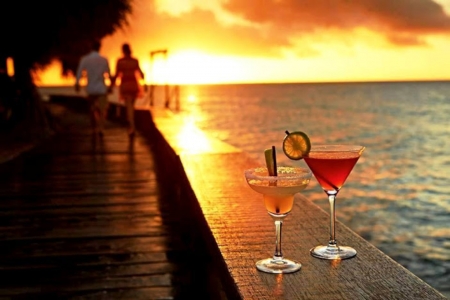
point(278, 255)
point(332, 200)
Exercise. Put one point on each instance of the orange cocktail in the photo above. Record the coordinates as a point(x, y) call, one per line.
point(278, 193)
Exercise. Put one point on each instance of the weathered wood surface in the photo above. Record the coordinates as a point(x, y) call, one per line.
point(239, 232)
point(244, 233)
point(84, 217)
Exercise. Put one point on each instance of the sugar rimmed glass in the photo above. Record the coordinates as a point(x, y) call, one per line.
point(278, 195)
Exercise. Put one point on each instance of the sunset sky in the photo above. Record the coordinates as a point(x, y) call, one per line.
point(248, 41)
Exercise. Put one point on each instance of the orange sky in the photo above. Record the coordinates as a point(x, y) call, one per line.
point(235, 41)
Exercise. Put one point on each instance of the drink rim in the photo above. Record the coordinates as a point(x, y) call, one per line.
point(300, 173)
point(337, 148)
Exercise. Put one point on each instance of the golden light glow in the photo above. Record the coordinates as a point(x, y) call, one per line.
point(193, 67)
point(156, 70)
point(173, 6)
point(335, 263)
point(52, 76)
point(10, 66)
point(278, 288)
point(191, 139)
point(191, 98)
point(232, 49)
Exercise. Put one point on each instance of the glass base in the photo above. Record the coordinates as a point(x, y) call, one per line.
point(333, 252)
point(279, 266)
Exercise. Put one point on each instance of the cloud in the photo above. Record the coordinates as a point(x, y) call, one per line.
point(269, 28)
point(194, 29)
point(401, 22)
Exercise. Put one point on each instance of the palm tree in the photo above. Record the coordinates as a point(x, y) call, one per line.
point(34, 33)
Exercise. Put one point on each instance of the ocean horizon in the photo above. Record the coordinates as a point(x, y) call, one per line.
point(397, 196)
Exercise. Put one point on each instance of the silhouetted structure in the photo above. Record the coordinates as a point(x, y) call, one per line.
point(175, 95)
point(168, 94)
point(152, 86)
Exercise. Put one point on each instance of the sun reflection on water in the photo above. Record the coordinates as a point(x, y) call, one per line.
point(191, 98)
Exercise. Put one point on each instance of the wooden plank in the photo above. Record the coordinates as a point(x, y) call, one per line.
point(86, 284)
point(84, 217)
point(244, 233)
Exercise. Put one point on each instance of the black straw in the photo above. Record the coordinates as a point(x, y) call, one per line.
point(274, 158)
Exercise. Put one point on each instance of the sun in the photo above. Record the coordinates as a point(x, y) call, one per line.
point(192, 67)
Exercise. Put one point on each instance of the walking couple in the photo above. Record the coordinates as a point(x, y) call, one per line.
point(95, 68)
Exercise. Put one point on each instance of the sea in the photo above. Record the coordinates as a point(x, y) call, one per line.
point(398, 194)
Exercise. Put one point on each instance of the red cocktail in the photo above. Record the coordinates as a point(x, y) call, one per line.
point(331, 165)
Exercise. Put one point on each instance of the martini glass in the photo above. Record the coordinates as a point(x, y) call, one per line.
point(278, 194)
point(331, 165)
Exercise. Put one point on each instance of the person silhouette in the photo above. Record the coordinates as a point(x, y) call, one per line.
point(129, 71)
point(95, 67)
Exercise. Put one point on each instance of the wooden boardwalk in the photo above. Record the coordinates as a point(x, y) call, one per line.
point(86, 217)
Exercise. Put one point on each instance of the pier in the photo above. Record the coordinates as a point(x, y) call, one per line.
point(85, 217)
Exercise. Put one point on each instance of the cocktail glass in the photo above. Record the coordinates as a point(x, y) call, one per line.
point(331, 165)
point(278, 194)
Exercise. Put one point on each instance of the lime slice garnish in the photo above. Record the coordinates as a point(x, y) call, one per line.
point(296, 145)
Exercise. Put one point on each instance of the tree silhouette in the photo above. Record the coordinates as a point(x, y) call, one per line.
point(33, 33)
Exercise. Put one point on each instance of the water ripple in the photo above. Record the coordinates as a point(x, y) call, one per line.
point(397, 196)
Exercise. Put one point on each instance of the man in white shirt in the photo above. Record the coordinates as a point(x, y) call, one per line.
point(95, 67)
